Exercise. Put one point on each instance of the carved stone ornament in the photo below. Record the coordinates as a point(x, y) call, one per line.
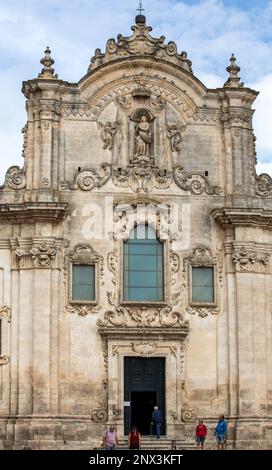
point(100, 414)
point(82, 310)
point(246, 260)
point(144, 349)
point(4, 360)
point(144, 317)
point(194, 182)
point(15, 178)
point(203, 311)
point(174, 134)
point(112, 265)
point(90, 179)
point(202, 257)
point(43, 255)
point(140, 43)
point(107, 133)
point(142, 176)
point(263, 186)
point(5, 312)
point(188, 413)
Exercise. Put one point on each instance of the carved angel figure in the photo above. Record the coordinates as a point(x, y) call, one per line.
point(108, 132)
point(174, 135)
point(143, 137)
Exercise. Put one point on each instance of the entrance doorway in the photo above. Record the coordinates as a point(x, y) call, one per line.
point(144, 387)
point(142, 404)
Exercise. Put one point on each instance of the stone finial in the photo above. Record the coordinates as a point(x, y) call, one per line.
point(47, 61)
point(233, 69)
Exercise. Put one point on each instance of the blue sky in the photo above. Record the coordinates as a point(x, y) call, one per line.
point(209, 30)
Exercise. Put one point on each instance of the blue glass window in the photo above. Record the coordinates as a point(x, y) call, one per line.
point(202, 285)
point(143, 266)
point(83, 283)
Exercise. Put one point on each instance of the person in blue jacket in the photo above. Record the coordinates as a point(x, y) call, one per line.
point(156, 421)
point(221, 432)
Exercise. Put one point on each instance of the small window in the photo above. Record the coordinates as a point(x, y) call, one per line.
point(203, 285)
point(83, 283)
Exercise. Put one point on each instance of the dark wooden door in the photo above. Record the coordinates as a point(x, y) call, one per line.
point(144, 380)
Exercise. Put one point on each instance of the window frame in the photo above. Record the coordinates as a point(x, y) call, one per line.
point(82, 302)
point(203, 303)
point(165, 271)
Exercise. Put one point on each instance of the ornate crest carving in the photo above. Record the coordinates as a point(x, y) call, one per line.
point(142, 177)
point(82, 310)
point(145, 348)
point(263, 186)
point(246, 260)
point(188, 413)
point(140, 43)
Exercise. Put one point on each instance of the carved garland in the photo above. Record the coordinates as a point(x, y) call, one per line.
point(85, 255)
point(202, 257)
point(100, 413)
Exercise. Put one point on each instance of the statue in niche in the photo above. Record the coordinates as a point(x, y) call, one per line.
point(108, 132)
point(143, 137)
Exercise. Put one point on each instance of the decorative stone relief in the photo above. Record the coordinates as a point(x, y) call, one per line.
point(112, 265)
point(143, 317)
point(246, 260)
point(194, 182)
point(144, 349)
point(5, 312)
point(143, 177)
point(4, 360)
point(15, 178)
point(140, 43)
point(188, 413)
point(104, 348)
point(82, 310)
point(202, 312)
point(100, 414)
point(263, 186)
point(174, 134)
point(107, 133)
point(25, 134)
point(90, 179)
point(43, 255)
point(174, 266)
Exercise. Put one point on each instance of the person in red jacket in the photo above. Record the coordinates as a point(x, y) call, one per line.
point(201, 433)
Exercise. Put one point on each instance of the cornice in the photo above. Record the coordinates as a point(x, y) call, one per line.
point(49, 211)
point(228, 216)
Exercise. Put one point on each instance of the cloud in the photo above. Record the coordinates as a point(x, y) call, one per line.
point(209, 30)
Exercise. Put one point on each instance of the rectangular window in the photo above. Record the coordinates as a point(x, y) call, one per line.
point(83, 283)
point(143, 271)
point(203, 285)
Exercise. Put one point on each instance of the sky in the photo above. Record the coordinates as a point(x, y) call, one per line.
point(209, 30)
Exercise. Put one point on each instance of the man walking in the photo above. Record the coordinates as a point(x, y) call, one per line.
point(156, 421)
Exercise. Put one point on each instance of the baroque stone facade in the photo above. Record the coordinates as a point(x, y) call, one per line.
point(138, 140)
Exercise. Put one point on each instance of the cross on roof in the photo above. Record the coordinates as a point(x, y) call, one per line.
point(140, 9)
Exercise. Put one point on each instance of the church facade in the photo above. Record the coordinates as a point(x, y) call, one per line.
point(135, 255)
